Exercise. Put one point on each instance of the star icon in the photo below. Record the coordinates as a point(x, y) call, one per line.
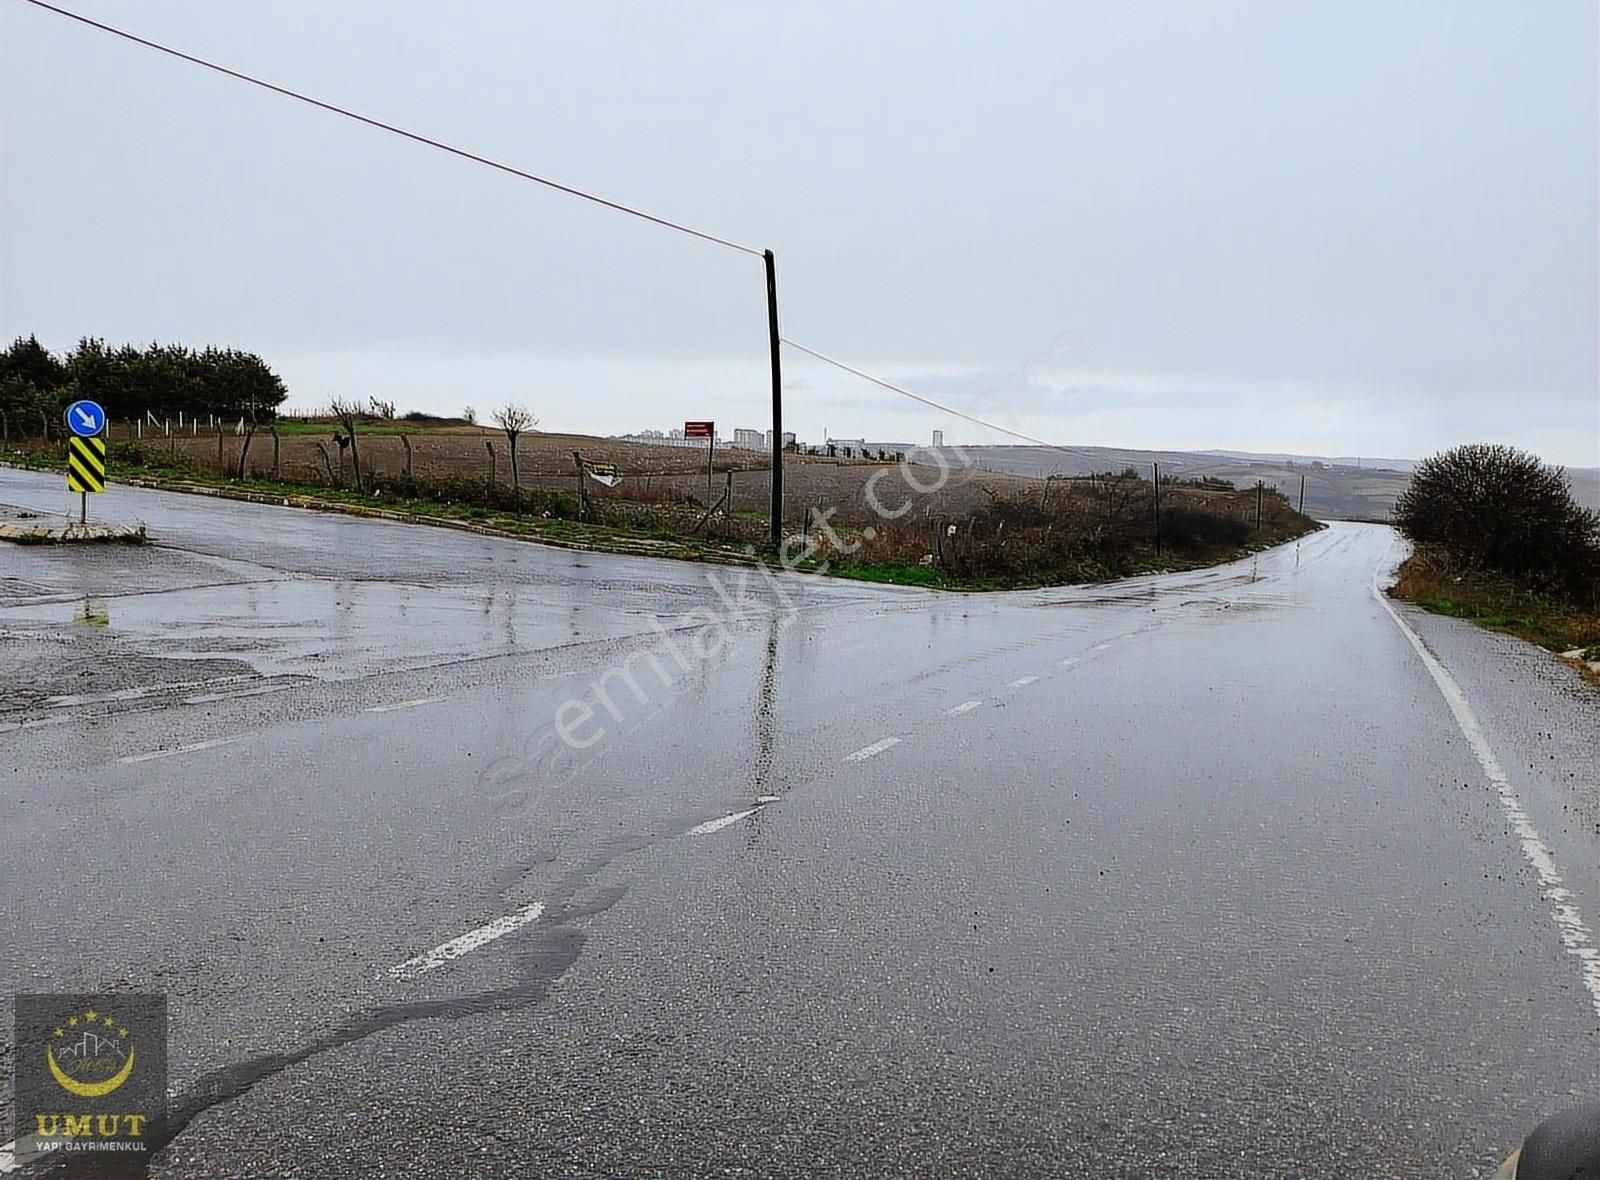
point(109, 1022)
point(89, 1015)
point(122, 1032)
point(60, 1033)
point(72, 1022)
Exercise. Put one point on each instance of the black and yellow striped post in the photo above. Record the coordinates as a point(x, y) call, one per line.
point(86, 469)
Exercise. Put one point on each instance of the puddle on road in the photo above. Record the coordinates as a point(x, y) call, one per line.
point(332, 630)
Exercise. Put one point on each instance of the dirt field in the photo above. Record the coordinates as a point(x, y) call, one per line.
point(649, 473)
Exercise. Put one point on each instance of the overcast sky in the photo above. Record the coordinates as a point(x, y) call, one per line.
point(1340, 227)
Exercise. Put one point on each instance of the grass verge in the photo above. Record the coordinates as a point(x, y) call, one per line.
point(1429, 580)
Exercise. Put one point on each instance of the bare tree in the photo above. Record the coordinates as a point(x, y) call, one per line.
point(469, 416)
point(382, 409)
point(514, 419)
point(349, 414)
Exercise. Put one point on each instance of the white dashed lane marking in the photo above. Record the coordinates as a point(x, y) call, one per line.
point(963, 707)
point(398, 705)
point(191, 748)
point(1023, 682)
point(205, 698)
point(716, 825)
point(446, 952)
point(873, 750)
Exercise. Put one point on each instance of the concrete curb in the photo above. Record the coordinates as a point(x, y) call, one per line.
point(71, 533)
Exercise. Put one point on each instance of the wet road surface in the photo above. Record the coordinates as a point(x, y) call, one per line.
point(1209, 874)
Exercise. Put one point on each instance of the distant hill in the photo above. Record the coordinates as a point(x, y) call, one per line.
point(1363, 462)
point(1336, 489)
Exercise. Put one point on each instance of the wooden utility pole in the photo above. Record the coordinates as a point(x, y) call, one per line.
point(773, 342)
point(1258, 505)
point(1155, 483)
point(1302, 495)
point(711, 465)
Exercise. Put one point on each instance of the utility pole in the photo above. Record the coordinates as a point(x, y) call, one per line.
point(1302, 495)
point(1258, 505)
point(1155, 483)
point(777, 399)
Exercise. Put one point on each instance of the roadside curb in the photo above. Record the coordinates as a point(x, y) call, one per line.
point(72, 533)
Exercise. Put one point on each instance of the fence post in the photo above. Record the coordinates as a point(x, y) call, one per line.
point(406, 442)
point(583, 491)
point(489, 446)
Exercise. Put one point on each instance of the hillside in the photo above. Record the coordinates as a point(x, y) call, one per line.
point(1335, 489)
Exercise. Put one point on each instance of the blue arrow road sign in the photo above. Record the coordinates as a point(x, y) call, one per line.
point(86, 419)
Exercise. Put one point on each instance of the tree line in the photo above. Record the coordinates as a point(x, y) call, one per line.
point(130, 382)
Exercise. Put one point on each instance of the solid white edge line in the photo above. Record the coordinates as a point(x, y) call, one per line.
point(1575, 934)
point(191, 748)
point(963, 707)
point(446, 952)
point(875, 748)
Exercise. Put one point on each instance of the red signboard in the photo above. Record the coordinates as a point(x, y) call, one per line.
point(699, 430)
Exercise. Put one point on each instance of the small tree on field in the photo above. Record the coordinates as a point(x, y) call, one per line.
point(469, 416)
point(349, 414)
point(385, 411)
point(1495, 508)
point(514, 419)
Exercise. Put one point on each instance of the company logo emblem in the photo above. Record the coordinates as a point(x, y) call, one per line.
point(91, 1081)
point(92, 1054)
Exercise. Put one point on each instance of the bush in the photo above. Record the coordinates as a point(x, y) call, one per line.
point(1189, 528)
point(1495, 508)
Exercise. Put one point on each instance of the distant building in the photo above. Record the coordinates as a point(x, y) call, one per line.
point(750, 440)
point(938, 438)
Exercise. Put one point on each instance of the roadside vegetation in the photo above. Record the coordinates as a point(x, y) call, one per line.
point(210, 419)
point(1080, 530)
point(1498, 538)
point(1086, 529)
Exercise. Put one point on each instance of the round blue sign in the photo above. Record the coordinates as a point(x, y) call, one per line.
point(86, 419)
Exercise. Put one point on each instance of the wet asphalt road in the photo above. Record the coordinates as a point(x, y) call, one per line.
point(1185, 876)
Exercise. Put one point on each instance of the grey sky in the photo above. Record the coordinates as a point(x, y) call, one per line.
point(1338, 228)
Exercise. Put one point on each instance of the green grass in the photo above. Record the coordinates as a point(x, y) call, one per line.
point(1498, 604)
